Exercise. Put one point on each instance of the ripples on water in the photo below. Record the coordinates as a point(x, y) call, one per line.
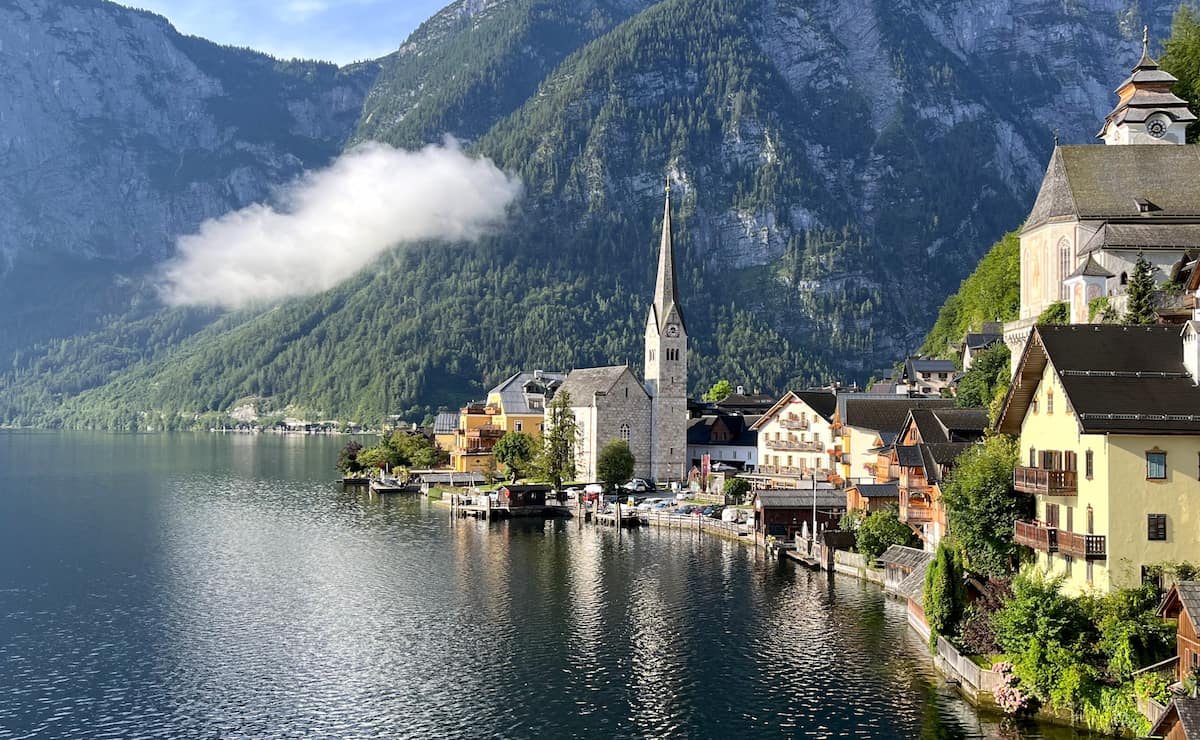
point(206, 586)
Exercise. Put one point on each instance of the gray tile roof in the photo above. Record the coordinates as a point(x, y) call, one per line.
point(905, 557)
point(1117, 378)
point(1185, 711)
point(513, 395)
point(1096, 182)
point(445, 423)
point(883, 413)
point(583, 383)
point(827, 497)
point(879, 490)
point(1141, 236)
point(909, 456)
point(981, 340)
point(913, 585)
point(1091, 268)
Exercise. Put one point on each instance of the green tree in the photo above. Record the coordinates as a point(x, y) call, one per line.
point(614, 464)
point(1181, 57)
point(988, 377)
point(1139, 294)
point(374, 458)
point(945, 592)
point(736, 490)
point(1058, 313)
point(516, 450)
point(555, 460)
point(981, 506)
point(880, 530)
point(720, 390)
point(347, 461)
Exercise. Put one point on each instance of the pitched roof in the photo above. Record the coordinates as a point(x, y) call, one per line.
point(917, 365)
point(516, 390)
point(1140, 236)
point(821, 402)
point(1185, 711)
point(890, 489)
point(883, 413)
point(827, 497)
point(1187, 594)
point(1118, 379)
point(1096, 182)
point(584, 383)
point(1090, 268)
point(979, 340)
point(905, 557)
point(445, 423)
point(700, 430)
point(913, 585)
point(909, 456)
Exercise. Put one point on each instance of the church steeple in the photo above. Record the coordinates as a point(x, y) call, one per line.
point(666, 292)
point(1147, 112)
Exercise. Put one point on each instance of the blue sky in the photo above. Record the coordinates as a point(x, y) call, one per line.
point(337, 30)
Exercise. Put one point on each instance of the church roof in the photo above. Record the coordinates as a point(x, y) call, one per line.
point(585, 382)
point(1098, 183)
point(1090, 268)
point(666, 289)
point(1147, 236)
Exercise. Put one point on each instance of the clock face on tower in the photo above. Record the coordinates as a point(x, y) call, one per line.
point(1156, 127)
point(672, 330)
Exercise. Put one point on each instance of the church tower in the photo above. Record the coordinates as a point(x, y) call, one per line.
point(1147, 111)
point(666, 366)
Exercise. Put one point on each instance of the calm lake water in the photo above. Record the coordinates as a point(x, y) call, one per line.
point(223, 586)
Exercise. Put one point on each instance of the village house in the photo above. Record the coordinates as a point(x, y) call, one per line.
point(868, 497)
point(515, 405)
point(783, 514)
point(926, 377)
point(1108, 419)
point(1101, 206)
point(863, 424)
point(928, 444)
point(795, 440)
point(1181, 721)
point(988, 336)
point(1182, 604)
point(726, 438)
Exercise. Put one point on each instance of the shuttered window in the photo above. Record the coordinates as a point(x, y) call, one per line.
point(1156, 526)
point(1052, 515)
point(1089, 464)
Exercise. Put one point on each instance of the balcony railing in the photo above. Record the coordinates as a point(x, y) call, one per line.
point(1046, 482)
point(1052, 539)
point(791, 470)
point(801, 424)
point(487, 431)
point(794, 444)
point(917, 514)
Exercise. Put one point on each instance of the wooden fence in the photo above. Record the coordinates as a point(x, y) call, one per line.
point(965, 669)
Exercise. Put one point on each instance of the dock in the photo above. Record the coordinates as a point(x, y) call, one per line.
point(481, 506)
point(393, 485)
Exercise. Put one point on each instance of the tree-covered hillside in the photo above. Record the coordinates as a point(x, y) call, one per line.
point(839, 169)
point(991, 293)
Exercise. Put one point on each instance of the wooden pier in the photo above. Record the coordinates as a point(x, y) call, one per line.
point(481, 506)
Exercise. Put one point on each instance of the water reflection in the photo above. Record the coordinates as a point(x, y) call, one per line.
point(221, 586)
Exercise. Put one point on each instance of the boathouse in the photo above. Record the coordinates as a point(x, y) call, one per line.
point(784, 514)
point(1182, 603)
point(519, 496)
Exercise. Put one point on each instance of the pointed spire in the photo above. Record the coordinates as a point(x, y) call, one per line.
point(1146, 62)
point(666, 293)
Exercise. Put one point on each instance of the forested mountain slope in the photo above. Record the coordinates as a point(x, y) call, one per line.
point(840, 167)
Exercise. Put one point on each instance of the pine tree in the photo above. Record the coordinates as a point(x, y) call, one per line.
point(556, 460)
point(1139, 308)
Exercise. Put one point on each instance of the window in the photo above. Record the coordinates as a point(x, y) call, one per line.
point(1049, 402)
point(1124, 278)
point(1156, 465)
point(1034, 405)
point(1089, 571)
point(1052, 515)
point(1091, 520)
point(1070, 460)
point(519, 426)
point(651, 355)
point(1064, 266)
point(1156, 526)
point(1033, 457)
point(1070, 518)
point(1068, 564)
point(625, 432)
point(1089, 464)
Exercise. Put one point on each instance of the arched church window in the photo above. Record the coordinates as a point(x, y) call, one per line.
point(1064, 266)
point(1124, 278)
point(625, 433)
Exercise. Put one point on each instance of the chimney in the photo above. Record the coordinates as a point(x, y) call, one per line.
point(741, 390)
point(1191, 349)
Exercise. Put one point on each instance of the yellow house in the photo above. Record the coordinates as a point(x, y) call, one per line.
point(865, 421)
point(1109, 424)
point(515, 405)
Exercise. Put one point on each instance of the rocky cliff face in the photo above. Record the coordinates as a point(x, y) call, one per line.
point(117, 134)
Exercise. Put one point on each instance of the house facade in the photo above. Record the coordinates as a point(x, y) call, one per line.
point(515, 405)
point(795, 439)
point(865, 422)
point(1182, 604)
point(726, 438)
point(1108, 419)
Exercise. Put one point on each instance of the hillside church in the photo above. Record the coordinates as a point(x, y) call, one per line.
point(651, 415)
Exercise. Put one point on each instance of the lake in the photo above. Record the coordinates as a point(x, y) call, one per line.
point(206, 585)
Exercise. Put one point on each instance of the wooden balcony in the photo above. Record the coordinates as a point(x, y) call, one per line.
point(487, 431)
point(801, 424)
point(923, 514)
point(795, 445)
point(1052, 539)
point(1046, 482)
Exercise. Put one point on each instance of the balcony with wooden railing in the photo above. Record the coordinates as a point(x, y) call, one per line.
point(794, 423)
point(1046, 482)
point(918, 513)
point(794, 445)
point(486, 431)
point(1052, 539)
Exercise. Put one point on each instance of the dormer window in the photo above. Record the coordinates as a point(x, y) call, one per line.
point(1146, 206)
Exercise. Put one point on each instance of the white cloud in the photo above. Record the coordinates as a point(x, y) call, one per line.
point(331, 223)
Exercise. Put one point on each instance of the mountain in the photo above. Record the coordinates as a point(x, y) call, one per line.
point(118, 134)
point(842, 166)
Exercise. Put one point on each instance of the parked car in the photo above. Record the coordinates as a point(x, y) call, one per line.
point(637, 484)
point(661, 506)
point(713, 512)
point(574, 492)
point(686, 510)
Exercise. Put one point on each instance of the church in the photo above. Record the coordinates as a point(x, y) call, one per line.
point(1100, 206)
point(651, 415)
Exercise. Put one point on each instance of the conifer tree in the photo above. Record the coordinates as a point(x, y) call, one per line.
point(556, 460)
point(1139, 308)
